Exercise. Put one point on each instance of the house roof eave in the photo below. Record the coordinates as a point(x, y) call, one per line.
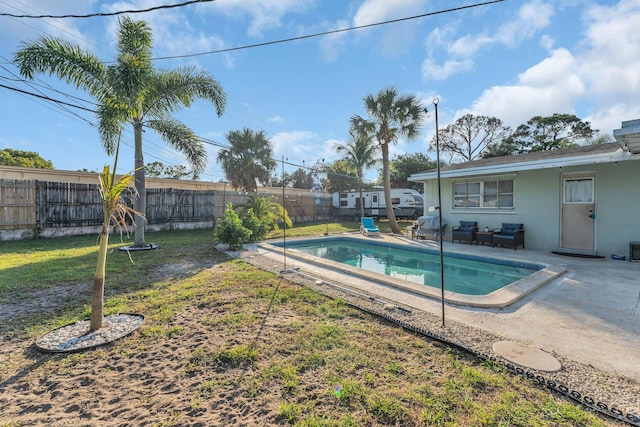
point(618, 155)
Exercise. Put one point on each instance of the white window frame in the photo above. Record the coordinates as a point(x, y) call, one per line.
point(481, 204)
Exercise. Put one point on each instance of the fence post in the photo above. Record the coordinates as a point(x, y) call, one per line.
point(40, 208)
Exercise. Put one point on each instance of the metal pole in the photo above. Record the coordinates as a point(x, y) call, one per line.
point(324, 201)
point(224, 196)
point(284, 226)
point(435, 103)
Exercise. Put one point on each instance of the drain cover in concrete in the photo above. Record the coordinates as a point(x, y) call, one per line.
point(527, 356)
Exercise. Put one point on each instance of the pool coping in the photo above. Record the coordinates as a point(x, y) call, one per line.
point(499, 298)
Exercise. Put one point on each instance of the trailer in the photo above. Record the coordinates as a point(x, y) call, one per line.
point(406, 203)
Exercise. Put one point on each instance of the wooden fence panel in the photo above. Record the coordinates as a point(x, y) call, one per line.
point(39, 206)
point(17, 204)
point(70, 204)
point(174, 205)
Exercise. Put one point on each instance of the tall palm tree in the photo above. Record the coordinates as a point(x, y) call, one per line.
point(248, 159)
point(361, 154)
point(131, 91)
point(391, 116)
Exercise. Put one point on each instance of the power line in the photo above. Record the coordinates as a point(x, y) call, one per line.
point(121, 12)
point(47, 98)
point(325, 33)
point(204, 140)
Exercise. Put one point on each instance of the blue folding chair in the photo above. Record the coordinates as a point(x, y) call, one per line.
point(367, 226)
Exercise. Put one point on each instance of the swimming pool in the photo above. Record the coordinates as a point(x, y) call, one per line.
point(470, 280)
point(463, 274)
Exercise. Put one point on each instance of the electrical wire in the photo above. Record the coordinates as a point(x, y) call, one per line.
point(325, 33)
point(210, 142)
point(47, 98)
point(121, 12)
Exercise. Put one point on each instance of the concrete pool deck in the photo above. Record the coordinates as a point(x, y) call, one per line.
point(589, 314)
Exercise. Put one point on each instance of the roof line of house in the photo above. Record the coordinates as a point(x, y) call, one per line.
point(585, 155)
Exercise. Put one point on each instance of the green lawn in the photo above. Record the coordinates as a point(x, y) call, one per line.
point(279, 348)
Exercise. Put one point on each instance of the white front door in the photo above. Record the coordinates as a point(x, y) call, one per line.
point(578, 213)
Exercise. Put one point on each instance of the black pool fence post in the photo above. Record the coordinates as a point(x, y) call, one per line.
point(284, 226)
point(435, 103)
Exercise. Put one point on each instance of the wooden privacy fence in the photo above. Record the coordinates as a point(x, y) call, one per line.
point(33, 208)
point(17, 204)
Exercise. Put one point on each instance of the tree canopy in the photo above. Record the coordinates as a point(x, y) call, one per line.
point(469, 135)
point(160, 170)
point(544, 133)
point(301, 178)
point(249, 158)
point(341, 176)
point(25, 159)
point(404, 165)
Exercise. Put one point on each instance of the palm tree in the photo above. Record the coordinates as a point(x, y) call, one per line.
point(115, 210)
point(391, 116)
point(131, 91)
point(248, 159)
point(360, 154)
point(265, 208)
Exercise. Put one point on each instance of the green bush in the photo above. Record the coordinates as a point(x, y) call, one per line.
point(230, 230)
point(259, 228)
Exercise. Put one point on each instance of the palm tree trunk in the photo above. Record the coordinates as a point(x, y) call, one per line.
point(391, 215)
point(97, 300)
point(361, 199)
point(140, 201)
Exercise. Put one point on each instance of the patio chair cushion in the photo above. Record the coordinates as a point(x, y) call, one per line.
point(467, 225)
point(508, 230)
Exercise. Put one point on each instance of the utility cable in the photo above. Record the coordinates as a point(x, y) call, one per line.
point(324, 33)
point(121, 12)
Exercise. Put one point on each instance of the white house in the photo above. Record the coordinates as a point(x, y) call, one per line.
point(583, 200)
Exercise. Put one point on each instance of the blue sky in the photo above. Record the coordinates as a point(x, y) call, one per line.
point(512, 60)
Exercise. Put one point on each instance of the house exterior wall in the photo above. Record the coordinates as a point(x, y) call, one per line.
point(537, 200)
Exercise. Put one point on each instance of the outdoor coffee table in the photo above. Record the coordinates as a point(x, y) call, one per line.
point(484, 237)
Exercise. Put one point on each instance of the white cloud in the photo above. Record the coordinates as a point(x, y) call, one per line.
point(295, 144)
point(372, 11)
point(332, 44)
point(265, 14)
point(603, 73)
point(275, 119)
point(433, 71)
point(610, 64)
point(396, 38)
point(551, 86)
point(532, 17)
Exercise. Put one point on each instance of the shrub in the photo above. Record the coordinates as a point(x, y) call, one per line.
point(231, 231)
point(259, 228)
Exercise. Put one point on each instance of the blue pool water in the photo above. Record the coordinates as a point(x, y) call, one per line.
point(465, 274)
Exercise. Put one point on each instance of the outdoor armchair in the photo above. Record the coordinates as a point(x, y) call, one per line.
point(511, 235)
point(465, 232)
